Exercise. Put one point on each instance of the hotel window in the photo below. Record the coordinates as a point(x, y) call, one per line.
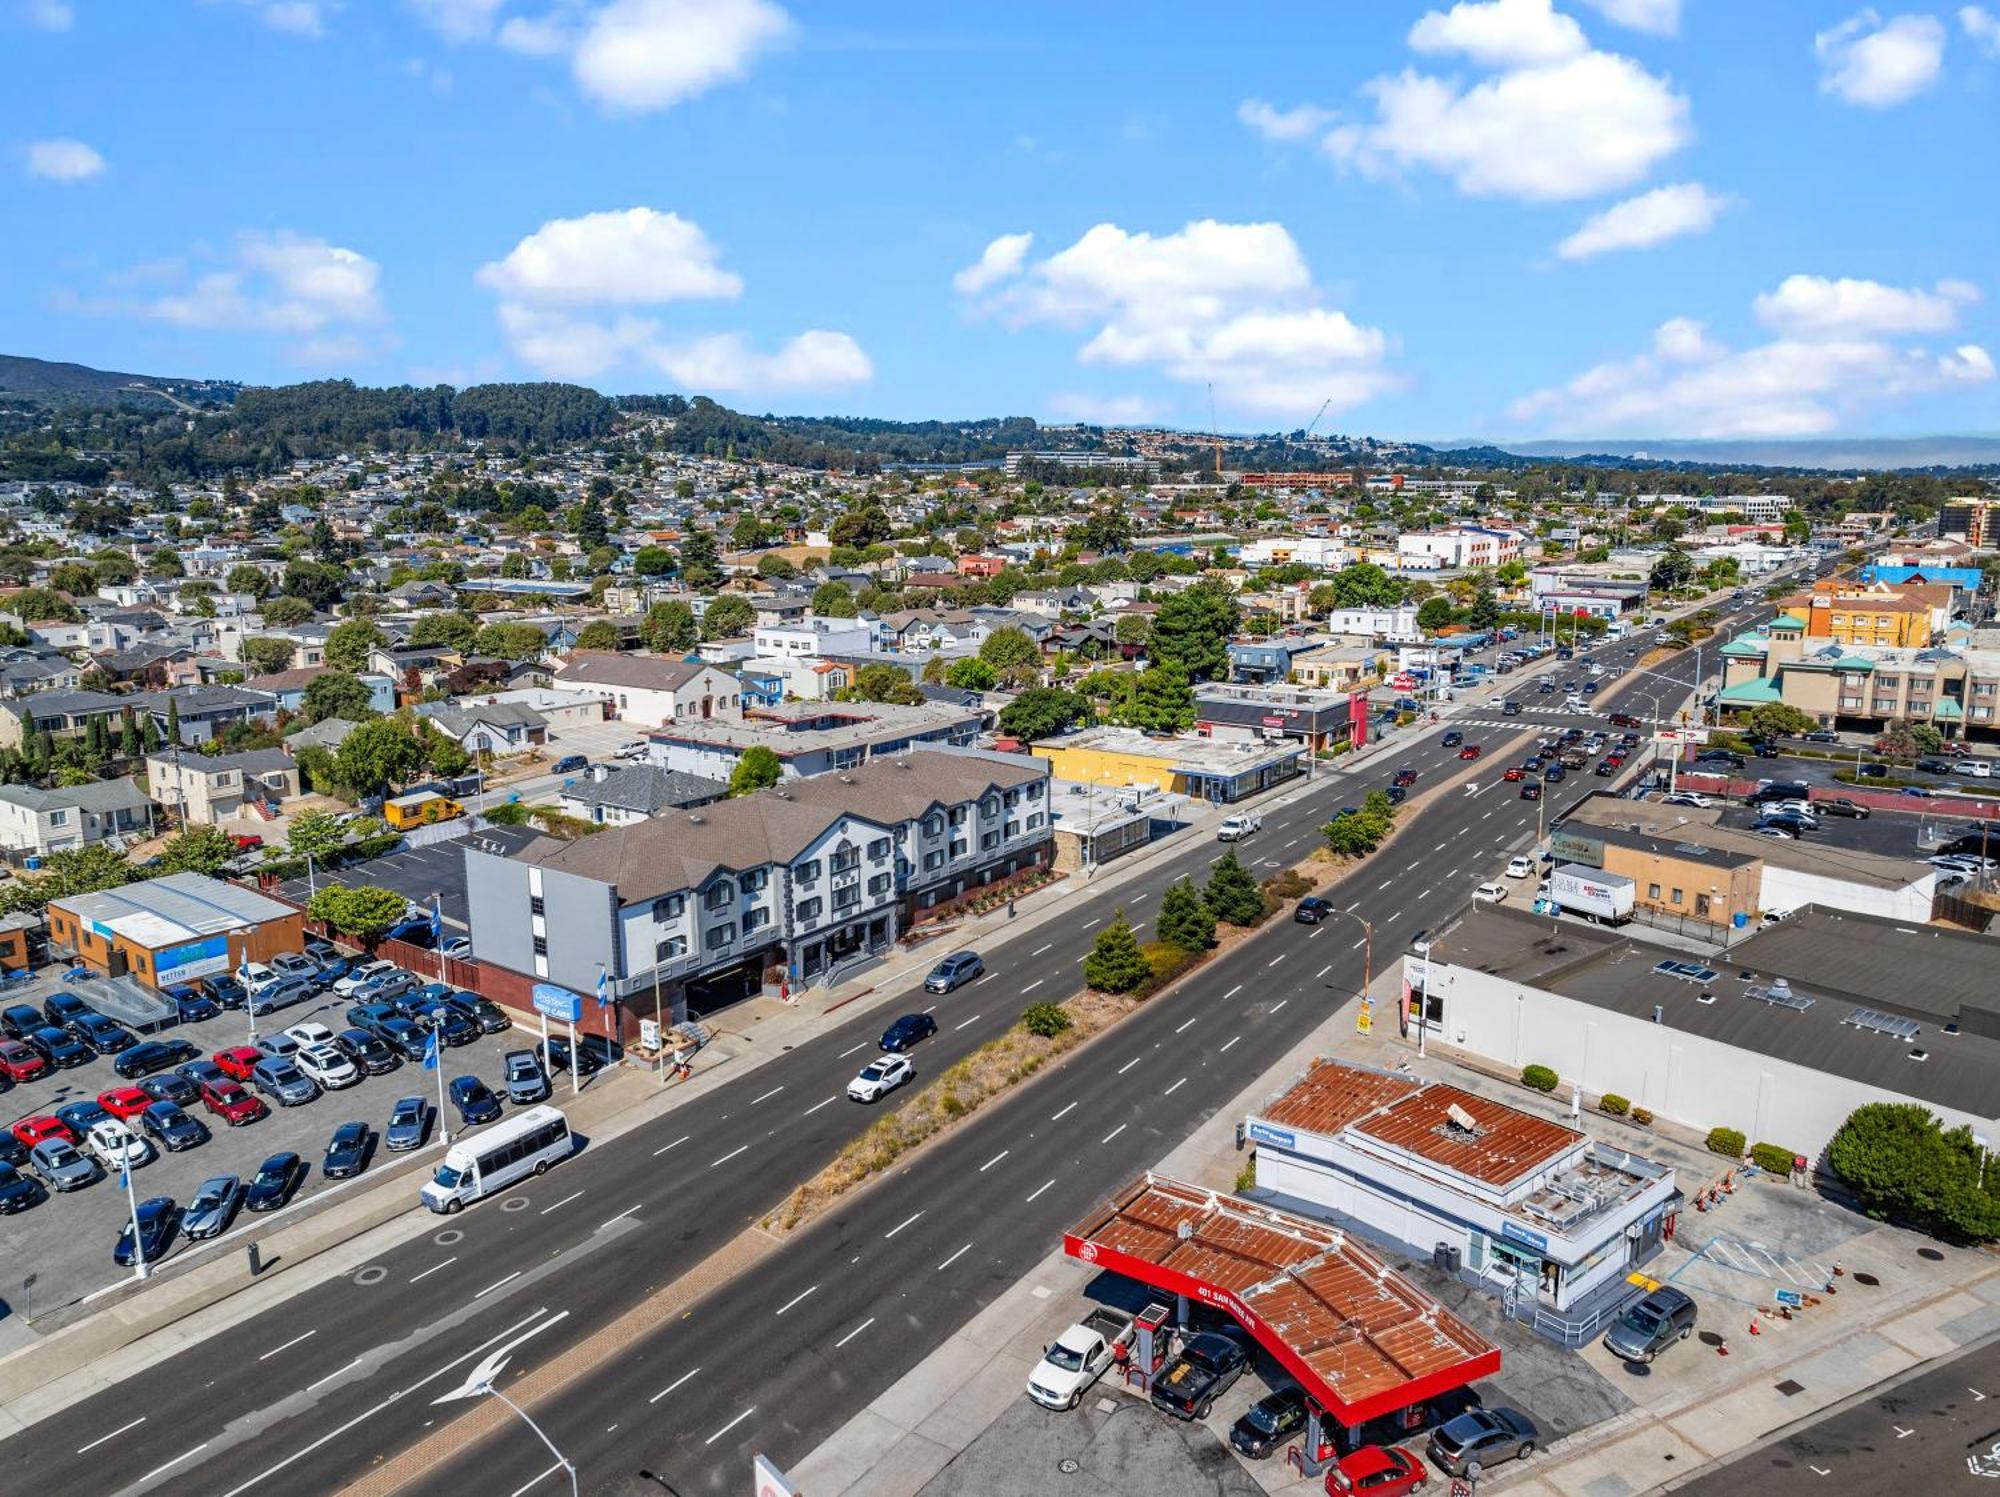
point(1701, 904)
point(808, 909)
point(843, 859)
point(933, 825)
point(669, 906)
point(878, 849)
point(670, 948)
point(755, 919)
point(1675, 897)
point(880, 883)
point(719, 895)
point(933, 861)
point(721, 935)
point(807, 871)
point(754, 880)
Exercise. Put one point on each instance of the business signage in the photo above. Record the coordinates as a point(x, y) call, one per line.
point(1274, 722)
point(1264, 1133)
point(1523, 1236)
point(557, 1003)
point(771, 1480)
point(1577, 847)
point(203, 958)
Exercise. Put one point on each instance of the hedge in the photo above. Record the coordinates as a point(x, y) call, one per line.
point(1614, 1104)
point(1726, 1141)
point(1773, 1159)
point(1540, 1078)
point(1641, 1116)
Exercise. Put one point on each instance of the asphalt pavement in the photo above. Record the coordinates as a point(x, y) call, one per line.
point(308, 1398)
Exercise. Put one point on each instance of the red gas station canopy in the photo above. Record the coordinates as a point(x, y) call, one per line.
point(1361, 1340)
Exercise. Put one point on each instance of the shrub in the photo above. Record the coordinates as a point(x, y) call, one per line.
point(1232, 895)
point(1904, 1166)
point(1726, 1141)
point(1165, 961)
point(1045, 1019)
point(1291, 884)
point(1614, 1104)
point(1773, 1159)
point(1641, 1116)
point(1540, 1078)
point(1246, 1178)
point(1185, 919)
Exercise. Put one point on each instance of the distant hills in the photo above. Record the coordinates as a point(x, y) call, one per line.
point(79, 384)
point(1835, 454)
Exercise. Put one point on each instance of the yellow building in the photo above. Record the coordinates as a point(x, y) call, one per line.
point(1904, 616)
point(1194, 767)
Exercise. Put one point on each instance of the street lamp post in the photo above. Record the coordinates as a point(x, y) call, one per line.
point(481, 1381)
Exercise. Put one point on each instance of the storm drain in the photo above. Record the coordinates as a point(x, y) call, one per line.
point(1069, 1465)
point(1867, 1278)
point(1790, 1387)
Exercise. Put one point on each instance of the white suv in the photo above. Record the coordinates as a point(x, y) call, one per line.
point(361, 974)
point(327, 1066)
point(310, 1034)
point(116, 1146)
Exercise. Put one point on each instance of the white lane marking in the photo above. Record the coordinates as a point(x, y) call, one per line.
point(1280, 1004)
point(852, 1048)
point(900, 1225)
point(1318, 931)
point(987, 978)
point(1413, 865)
point(288, 1345)
point(767, 1096)
point(497, 1283)
point(1128, 1065)
point(1042, 1187)
point(1232, 992)
point(1098, 921)
point(435, 1267)
point(993, 1161)
point(614, 1220)
point(1035, 984)
point(563, 1202)
point(796, 1298)
point(1350, 908)
point(1276, 959)
point(1112, 1134)
point(1423, 893)
point(1393, 918)
point(853, 1333)
point(729, 1156)
point(1439, 848)
point(535, 1481)
point(1359, 944)
point(1323, 971)
point(954, 1258)
point(1187, 1025)
point(332, 1375)
point(673, 1385)
point(730, 1425)
point(1232, 1040)
point(186, 1455)
point(1383, 885)
point(1175, 1087)
point(142, 1419)
point(1045, 946)
point(674, 1145)
point(816, 1107)
point(1059, 1116)
point(973, 1020)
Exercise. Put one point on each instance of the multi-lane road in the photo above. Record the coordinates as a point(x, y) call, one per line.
point(309, 1397)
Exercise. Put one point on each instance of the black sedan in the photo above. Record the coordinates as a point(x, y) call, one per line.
point(907, 1031)
point(19, 1020)
point(171, 1086)
point(1269, 1423)
point(191, 1005)
point(588, 1062)
point(153, 1055)
point(348, 1151)
point(59, 1047)
point(451, 1022)
point(275, 1181)
point(1531, 792)
point(159, 1220)
point(174, 1129)
point(474, 1099)
point(1311, 910)
point(18, 1192)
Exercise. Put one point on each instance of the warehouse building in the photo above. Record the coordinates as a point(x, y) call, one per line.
point(173, 929)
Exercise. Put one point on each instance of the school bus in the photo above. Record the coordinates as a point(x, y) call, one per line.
point(421, 808)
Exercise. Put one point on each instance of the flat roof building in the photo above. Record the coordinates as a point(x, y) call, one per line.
point(173, 929)
point(1194, 767)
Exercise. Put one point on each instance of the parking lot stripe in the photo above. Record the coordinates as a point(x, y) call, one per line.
point(674, 1145)
point(853, 1333)
point(435, 1267)
point(563, 1202)
point(796, 1298)
point(113, 1435)
point(673, 1385)
point(497, 1283)
point(288, 1345)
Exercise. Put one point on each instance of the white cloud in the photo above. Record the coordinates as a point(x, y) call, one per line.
point(1304, 122)
point(999, 261)
point(577, 300)
point(63, 160)
point(1104, 410)
point(1501, 33)
point(1826, 365)
point(1573, 129)
point(1810, 306)
point(1660, 17)
point(1231, 304)
point(546, 36)
point(1641, 222)
point(48, 15)
point(299, 17)
point(1877, 64)
point(635, 257)
point(459, 20)
point(641, 55)
point(1981, 27)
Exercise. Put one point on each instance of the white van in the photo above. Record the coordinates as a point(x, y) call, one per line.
point(525, 1144)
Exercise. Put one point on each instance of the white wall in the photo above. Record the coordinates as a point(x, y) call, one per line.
point(1788, 889)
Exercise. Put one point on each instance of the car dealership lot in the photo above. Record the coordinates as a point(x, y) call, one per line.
point(66, 1241)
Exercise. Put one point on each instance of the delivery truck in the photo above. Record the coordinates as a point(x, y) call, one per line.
point(1591, 892)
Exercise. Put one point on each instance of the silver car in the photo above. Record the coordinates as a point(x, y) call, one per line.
point(61, 1167)
point(283, 1082)
point(213, 1207)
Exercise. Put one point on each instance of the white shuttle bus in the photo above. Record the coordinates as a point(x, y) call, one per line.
point(525, 1144)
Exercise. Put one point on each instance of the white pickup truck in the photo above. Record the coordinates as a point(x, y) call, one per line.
point(1236, 828)
point(1076, 1358)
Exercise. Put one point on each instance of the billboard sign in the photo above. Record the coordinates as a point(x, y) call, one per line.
point(203, 958)
point(1264, 1133)
point(558, 1003)
point(1577, 847)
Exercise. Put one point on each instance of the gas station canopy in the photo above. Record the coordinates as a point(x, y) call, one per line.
point(1361, 1340)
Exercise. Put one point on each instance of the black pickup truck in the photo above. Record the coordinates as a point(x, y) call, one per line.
point(1207, 1365)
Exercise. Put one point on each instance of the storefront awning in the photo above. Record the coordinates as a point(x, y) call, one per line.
point(1361, 1340)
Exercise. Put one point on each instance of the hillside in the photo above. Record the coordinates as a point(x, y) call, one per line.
point(78, 384)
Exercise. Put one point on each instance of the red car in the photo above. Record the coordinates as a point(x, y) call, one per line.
point(19, 1062)
point(32, 1130)
point(1470, 751)
point(1513, 772)
point(231, 1103)
point(1378, 1471)
point(125, 1101)
point(1614, 760)
point(238, 1061)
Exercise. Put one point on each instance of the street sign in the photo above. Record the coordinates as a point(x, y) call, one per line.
point(557, 1003)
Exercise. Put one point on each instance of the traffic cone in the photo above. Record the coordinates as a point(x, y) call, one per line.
point(1753, 1326)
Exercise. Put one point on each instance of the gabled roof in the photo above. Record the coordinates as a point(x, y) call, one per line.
point(639, 672)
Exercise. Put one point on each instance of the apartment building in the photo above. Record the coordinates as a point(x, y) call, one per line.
point(1905, 615)
point(811, 737)
point(1459, 548)
point(1957, 690)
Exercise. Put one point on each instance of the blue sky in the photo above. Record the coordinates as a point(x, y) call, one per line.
point(1578, 218)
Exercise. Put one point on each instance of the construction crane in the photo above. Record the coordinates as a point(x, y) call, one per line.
point(1307, 436)
point(1215, 432)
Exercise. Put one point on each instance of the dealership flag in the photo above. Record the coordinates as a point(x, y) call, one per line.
point(431, 1052)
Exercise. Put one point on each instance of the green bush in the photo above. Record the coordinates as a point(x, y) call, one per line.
point(1614, 1104)
point(1045, 1019)
point(1727, 1142)
point(1246, 1178)
point(1773, 1159)
point(1904, 1166)
point(1641, 1116)
point(1540, 1078)
point(1291, 884)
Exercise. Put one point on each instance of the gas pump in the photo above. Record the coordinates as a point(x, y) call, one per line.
point(1317, 1450)
point(1149, 1351)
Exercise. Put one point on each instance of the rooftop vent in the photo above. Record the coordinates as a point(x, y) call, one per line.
point(1920, 1055)
point(694, 817)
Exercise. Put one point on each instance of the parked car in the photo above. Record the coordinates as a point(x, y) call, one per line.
point(523, 1077)
point(488, 1015)
point(237, 1061)
point(12, 1150)
point(281, 994)
point(225, 990)
point(278, 1046)
point(324, 954)
point(327, 1064)
point(570, 764)
point(1269, 1423)
point(1520, 867)
point(1478, 1438)
point(368, 1051)
point(18, 1191)
point(37, 1127)
point(880, 1077)
point(170, 1125)
point(62, 1048)
point(62, 1167)
point(1687, 798)
point(451, 1022)
point(348, 1151)
point(105, 1036)
point(191, 1005)
point(1840, 805)
point(954, 971)
point(19, 1020)
point(1311, 910)
point(78, 1116)
point(585, 1061)
point(20, 1061)
point(153, 1055)
point(1376, 1471)
point(117, 1147)
point(358, 977)
point(1651, 1325)
point(229, 1101)
point(158, 1220)
point(276, 1180)
point(409, 1125)
point(1208, 1365)
point(213, 1207)
point(909, 1030)
point(61, 1009)
point(284, 1083)
point(171, 1086)
point(124, 1102)
point(404, 1038)
point(474, 1100)
point(310, 1033)
point(1490, 893)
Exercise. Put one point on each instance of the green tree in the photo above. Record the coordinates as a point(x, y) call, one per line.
point(1897, 742)
point(197, 849)
point(1133, 630)
point(883, 683)
point(1115, 963)
point(1776, 720)
point(514, 567)
point(319, 583)
point(1161, 701)
point(336, 694)
point(652, 561)
point(1671, 569)
point(669, 628)
point(363, 913)
point(264, 654)
point(1042, 712)
point(728, 616)
point(244, 578)
point(1366, 585)
point(1193, 627)
point(1485, 610)
point(285, 612)
point(511, 641)
point(1232, 895)
point(65, 874)
point(1046, 1020)
point(1006, 648)
point(834, 600)
point(1435, 613)
point(442, 754)
point(1185, 919)
point(747, 533)
point(450, 631)
point(598, 634)
point(377, 756)
point(37, 603)
point(863, 527)
point(775, 567)
point(969, 674)
point(174, 720)
point(1904, 1166)
point(701, 562)
point(315, 834)
point(758, 769)
point(349, 645)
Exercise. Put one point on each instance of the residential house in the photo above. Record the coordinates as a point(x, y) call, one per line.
point(36, 822)
point(650, 689)
point(619, 794)
point(487, 727)
point(288, 688)
point(202, 789)
point(809, 737)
